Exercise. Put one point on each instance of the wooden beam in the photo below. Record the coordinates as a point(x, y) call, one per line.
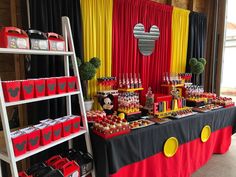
point(191, 4)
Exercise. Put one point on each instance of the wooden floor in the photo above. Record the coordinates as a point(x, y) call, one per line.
point(220, 165)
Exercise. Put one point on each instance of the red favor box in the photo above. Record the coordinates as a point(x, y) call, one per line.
point(56, 42)
point(61, 85)
point(23, 174)
point(33, 137)
point(70, 169)
point(56, 128)
point(27, 89)
point(66, 125)
point(59, 163)
point(51, 86)
point(11, 90)
point(40, 87)
point(53, 159)
point(75, 123)
point(19, 141)
point(45, 133)
point(72, 84)
point(12, 37)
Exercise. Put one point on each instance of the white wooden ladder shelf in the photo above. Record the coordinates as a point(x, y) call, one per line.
point(9, 156)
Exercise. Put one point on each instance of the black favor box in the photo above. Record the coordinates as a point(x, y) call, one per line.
point(38, 40)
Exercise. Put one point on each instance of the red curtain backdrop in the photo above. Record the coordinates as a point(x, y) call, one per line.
point(126, 57)
point(189, 158)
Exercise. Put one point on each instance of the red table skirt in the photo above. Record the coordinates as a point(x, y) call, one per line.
point(189, 158)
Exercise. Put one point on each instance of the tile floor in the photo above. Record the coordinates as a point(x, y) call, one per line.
point(220, 165)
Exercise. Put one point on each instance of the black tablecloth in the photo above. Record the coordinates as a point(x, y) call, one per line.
point(112, 154)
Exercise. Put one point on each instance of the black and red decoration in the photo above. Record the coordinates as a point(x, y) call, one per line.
point(34, 88)
point(73, 163)
point(48, 130)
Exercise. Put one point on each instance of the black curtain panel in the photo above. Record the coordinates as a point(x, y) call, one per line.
point(46, 16)
point(196, 39)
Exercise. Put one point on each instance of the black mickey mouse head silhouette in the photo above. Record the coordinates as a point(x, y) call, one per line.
point(40, 88)
point(146, 41)
point(51, 87)
point(28, 88)
point(67, 128)
point(62, 86)
point(21, 146)
point(57, 132)
point(47, 136)
point(71, 85)
point(13, 92)
point(34, 141)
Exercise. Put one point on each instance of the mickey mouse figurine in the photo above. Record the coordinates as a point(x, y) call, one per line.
point(107, 104)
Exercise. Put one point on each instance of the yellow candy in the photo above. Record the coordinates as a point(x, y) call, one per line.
point(121, 115)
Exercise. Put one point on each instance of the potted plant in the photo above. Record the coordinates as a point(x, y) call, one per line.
point(87, 71)
point(197, 67)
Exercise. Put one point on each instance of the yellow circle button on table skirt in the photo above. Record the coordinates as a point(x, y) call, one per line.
point(206, 133)
point(171, 146)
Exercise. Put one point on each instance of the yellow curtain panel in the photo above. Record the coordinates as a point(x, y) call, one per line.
point(97, 36)
point(180, 26)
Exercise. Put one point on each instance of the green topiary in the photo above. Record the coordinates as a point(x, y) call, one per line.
point(202, 60)
point(198, 68)
point(192, 62)
point(96, 62)
point(87, 71)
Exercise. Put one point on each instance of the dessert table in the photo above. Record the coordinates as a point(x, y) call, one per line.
point(140, 153)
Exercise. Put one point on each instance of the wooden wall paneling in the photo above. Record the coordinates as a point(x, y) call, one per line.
point(184, 4)
point(199, 5)
point(161, 1)
point(220, 48)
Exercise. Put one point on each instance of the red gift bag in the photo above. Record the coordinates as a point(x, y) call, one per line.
point(19, 141)
point(61, 85)
point(40, 88)
point(11, 90)
point(27, 89)
point(45, 133)
point(75, 123)
point(33, 137)
point(72, 84)
point(66, 125)
point(51, 86)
